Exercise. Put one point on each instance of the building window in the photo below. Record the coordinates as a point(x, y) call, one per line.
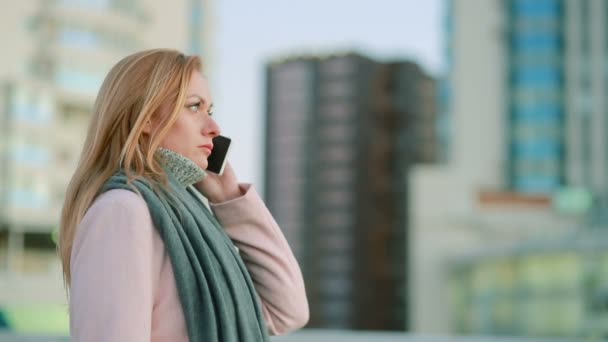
point(337, 154)
point(536, 41)
point(79, 80)
point(339, 242)
point(536, 76)
point(338, 68)
point(33, 196)
point(335, 197)
point(94, 4)
point(292, 73)
point(31, 155)
point(32, 106)
point(336, 263)
point(340, 132)
point(336, 111)
point(337, 176)
point(537, 149)
point(79, 38)
point(536, 8)
point(334, 218)
point(337, 89)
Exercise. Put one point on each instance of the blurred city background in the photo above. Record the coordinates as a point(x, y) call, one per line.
point(439, 167)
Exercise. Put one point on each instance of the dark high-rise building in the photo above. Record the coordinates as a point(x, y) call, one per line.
point(341, 133)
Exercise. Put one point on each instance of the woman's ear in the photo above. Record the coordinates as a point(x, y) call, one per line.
point(147, 127)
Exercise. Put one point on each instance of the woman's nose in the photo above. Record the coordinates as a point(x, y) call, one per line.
point(212, 128)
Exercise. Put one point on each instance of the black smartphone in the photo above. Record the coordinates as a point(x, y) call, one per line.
point(218, 157)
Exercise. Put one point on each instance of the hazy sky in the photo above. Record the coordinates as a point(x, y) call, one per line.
point(249, 33)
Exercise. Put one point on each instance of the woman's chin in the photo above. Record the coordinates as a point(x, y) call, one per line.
point(203, 164)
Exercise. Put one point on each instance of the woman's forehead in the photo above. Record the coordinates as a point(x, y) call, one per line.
point(199, 86)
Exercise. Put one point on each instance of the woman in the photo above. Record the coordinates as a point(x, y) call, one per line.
point(144, 259)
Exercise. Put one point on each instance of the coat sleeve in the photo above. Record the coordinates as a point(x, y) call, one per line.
point(271, 263)
point(114, 271)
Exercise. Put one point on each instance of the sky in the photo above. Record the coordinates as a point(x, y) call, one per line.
point(250, 33)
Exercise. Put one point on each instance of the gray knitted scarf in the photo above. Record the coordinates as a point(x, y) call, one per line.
point(216, 292)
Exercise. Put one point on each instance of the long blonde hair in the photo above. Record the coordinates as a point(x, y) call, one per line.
point(136, 91)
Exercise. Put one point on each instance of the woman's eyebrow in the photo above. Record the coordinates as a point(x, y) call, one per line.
point(200, 98)
point(197, 96)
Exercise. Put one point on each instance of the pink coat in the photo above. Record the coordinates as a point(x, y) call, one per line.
point(123, 287)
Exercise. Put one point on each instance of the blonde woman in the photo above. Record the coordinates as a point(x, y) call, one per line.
point(153, 247)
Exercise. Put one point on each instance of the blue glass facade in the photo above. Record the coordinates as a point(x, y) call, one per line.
point(535, 93)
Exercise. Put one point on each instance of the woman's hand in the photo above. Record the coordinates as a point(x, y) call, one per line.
point(218, 188)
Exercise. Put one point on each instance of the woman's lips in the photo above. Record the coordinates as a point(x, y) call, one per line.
point(208, 147)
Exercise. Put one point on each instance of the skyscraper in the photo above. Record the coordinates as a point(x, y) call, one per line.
point(341, 133)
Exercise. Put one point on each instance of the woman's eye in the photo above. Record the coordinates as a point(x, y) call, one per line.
point(194, 107)
point(210, 112)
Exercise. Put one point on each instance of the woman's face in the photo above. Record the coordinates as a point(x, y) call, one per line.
point(192, 133)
